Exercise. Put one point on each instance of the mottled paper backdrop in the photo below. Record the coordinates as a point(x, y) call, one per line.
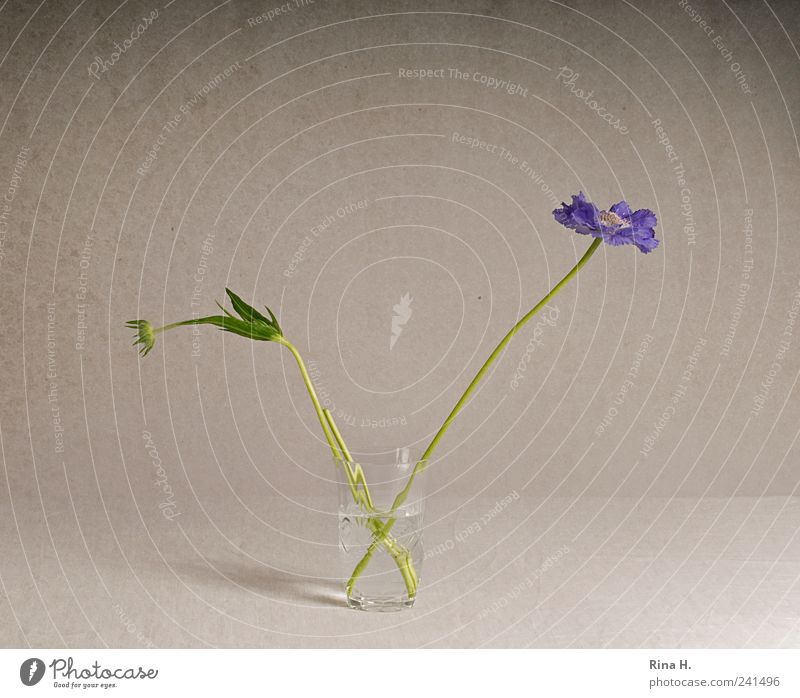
point(382, 175)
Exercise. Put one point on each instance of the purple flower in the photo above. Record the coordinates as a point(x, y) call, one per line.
point(617, 226)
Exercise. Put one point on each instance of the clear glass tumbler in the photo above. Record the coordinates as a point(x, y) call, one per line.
point(381, 507)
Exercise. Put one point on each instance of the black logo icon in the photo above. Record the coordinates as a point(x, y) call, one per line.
point(31, 671)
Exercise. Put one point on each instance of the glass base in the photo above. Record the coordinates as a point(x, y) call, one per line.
point(379, 604)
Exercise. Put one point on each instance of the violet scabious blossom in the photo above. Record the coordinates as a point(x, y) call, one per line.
point(616, 226)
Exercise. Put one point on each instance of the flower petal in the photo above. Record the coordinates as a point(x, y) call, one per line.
point(645, 239)
point(615, 238)
point(622, 210)
point(644, 218)
point(636, 228)
point(563, 215)
point(585, 216)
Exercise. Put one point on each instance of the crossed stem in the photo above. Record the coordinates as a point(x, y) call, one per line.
point(380, 523)
point(423, 461)
point(355, 476)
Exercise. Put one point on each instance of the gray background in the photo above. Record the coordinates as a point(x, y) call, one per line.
point(691, 542)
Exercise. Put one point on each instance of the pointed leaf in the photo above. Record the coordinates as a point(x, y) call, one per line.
point(274, 320)
point(224, 310)
point(247, 312)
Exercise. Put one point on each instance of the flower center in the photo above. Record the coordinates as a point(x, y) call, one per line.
point(610, 218)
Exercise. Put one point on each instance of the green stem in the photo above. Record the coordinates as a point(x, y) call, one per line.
point(339, 450)
point(312, 394)
point(172, 325)
point(399, 554)
point(423, 461)
point(355, 476)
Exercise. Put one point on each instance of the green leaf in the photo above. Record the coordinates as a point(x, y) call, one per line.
point(246, 312)
point(224, 310)
point(274, 321)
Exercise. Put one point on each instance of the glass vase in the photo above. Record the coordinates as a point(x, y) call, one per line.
point(381, 508)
